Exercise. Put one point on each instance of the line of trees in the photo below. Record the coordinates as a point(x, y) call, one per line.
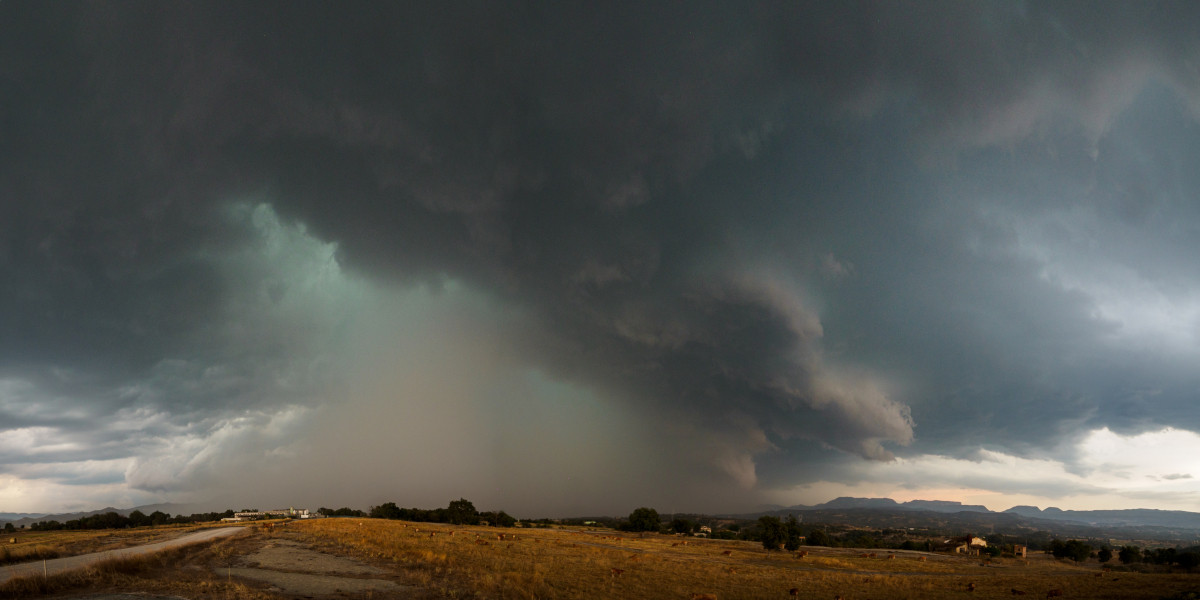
point(341, 512)
point(1188, 559)
point(113, 520)
point(459, 512)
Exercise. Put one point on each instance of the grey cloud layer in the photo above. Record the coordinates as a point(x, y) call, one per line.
point(783, 223)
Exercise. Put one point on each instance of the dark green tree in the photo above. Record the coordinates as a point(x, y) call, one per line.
point(387, 510)
point(644, 519)
point(138, 518)
point(791, 534)
point(1078, 551)
point(159, 518)
point(772, 533)
point(8, 528)
point(818, 538)
point(681, 526)
point(1105, 554)
point(462, 512)
point(1129, 554)
point(1189, 560)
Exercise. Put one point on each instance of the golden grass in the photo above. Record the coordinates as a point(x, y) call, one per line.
point(36, 545)
point(551, 564)
point(171, 571)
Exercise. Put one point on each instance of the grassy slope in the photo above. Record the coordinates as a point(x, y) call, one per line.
point(558, 564)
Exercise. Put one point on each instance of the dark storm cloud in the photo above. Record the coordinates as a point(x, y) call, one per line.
point(787, 222)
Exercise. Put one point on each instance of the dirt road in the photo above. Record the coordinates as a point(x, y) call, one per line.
point(59, 565)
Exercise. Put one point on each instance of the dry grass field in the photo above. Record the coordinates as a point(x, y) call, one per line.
point(471, 562)
point(36, 545)
point(191, 571)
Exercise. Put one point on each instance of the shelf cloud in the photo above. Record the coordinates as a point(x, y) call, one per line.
point(702, 254)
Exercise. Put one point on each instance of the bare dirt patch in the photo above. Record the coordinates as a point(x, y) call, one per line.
point(287, 555)
point(305, 584)
point(124, 597)
point(293, 568)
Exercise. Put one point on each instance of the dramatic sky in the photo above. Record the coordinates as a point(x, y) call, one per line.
point(567, 258)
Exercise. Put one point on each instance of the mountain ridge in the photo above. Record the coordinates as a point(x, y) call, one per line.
point(1146, 517)
point(167, 507)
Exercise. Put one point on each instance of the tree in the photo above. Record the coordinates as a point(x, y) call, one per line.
point(1129, 554)
point(8, 528)
point(791, 534)
point(1077, 551)
point(138, 518)
point(681, 526)
point(772, 533)
point(502, 519)
point(994, 551)
point(462, 512)
point(1189, 560)
point(644, 519)
point(387, 510)
point(1105, 554)
point(159, 518)
point(818, 538)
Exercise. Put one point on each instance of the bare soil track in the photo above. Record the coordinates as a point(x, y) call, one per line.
point(59, 565)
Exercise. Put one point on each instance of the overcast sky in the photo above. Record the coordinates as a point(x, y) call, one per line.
point(570, 258)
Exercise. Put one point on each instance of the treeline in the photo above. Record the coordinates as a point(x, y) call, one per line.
point(113, 520)
point(1187, 558)
point(341, 512)
point(459, 512)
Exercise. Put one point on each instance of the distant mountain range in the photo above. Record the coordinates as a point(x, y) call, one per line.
point(1136, 517)
point(19, 519)
point(9, 517)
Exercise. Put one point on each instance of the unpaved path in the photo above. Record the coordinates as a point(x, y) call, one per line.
point(307, 584)
point(125, 597)
point(59, 565)
point(287, 555)
point(294, 568)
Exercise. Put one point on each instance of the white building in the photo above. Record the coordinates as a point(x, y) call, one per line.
point(283, 513)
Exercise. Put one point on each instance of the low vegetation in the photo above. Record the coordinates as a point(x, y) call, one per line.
point(188, 571)
point(467, 561)
point(26, 546)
